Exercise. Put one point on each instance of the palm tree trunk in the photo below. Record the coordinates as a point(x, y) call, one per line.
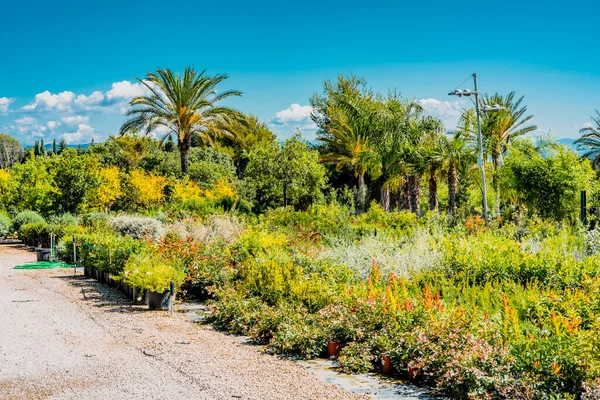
point(184, 153)
point(361, 180)
point(433, 190)
point(406, 195)
point(452, 185)
point(414, 193)
point(385, 198)
point(496, 185)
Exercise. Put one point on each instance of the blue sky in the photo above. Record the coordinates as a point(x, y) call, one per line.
point(68, 68)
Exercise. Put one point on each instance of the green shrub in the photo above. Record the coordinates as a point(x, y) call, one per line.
point(208, 174)
point(5, 226)
point(26, 217)
point(356, 357)
point(94, 219)
point(64, 219)
point(149, 271)
point(107, 251)
point(35, 233)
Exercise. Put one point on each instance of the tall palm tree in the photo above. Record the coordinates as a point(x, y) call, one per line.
point(394, 146)
point(348, 139)
point(433, 156)
point(184, 105)
point(590, 141)
point(457, 155)
point(500, 129)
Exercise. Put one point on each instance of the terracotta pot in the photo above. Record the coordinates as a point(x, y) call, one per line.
point(333, 348)
point(412, 373)
point(386, 365)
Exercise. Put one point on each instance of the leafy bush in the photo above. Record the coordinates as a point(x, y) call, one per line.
point(208, 174)
point(107, 251)
point(138, 227)
point(149, 271)
point(94, 219)
point(26, 217)
point(5, 226)
point(64, 219)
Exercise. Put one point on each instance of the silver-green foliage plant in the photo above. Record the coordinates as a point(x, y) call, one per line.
point(403, 257)
point(216, 227)
point(138, 227)
point(26, 217)
point(5, 225)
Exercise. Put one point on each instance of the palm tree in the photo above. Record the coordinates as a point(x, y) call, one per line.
point(590, 141)
point(348, 139)
point(395, 148)
point(457, 155)
point(184, 105)
point(500, 129)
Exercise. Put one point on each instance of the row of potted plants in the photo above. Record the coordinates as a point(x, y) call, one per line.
point(386, 367)
point(146, 279)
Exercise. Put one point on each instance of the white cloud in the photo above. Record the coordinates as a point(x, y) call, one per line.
point(75, 120)
point(448, 111)
point(84, 134)
point(88, 102)
point(53, 124)
point(292, 119)
point(48, 101)
point(295, 113)
point(26, 121)
point(4, 103)
point(126, 90)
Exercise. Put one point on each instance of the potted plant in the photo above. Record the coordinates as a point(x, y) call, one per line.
point(386, 364)
point(333, 348)
point(341, 326)
point(153, 274)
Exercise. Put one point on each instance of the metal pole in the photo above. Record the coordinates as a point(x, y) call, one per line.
point(583, 208)
point(480, 160)
point(74, 255)
point(172, 294)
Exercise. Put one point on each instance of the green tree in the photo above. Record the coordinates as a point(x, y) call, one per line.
point(36, 187)
point(247, 132)
point(10, 151)
point(75, 175)
point(589, 141)
point(288, 174)
point(169, 145)
point(62, 146)
point(54, 148)
point(547, 178)
point(185, 105)
point(499, 129)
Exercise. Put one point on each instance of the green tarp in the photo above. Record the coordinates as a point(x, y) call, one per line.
point(43, 265)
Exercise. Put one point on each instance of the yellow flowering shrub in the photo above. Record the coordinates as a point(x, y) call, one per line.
point(187, 190)
point(222, 189)
point(5, 179)
point(109, 189)
point(146, 189)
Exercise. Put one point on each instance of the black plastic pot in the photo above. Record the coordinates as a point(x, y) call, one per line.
point(137, 293)
point(159, 301)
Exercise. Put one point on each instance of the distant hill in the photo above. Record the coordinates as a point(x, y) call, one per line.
point(48, 146)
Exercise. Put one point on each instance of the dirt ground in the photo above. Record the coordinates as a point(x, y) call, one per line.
point(68, 337)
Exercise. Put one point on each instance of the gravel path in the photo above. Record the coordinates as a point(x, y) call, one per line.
point(65, 337)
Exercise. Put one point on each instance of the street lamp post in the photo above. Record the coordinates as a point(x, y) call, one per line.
point(480, 163)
